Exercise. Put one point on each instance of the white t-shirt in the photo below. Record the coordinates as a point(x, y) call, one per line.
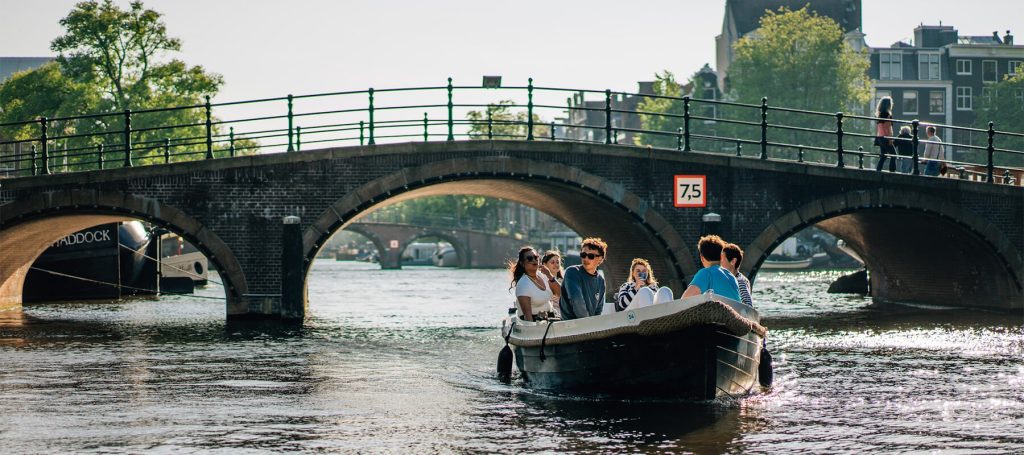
point(540, 299)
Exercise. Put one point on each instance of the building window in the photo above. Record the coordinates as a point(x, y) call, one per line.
point(1014, 66)
point(988, 71)
point(928, 66)
point(963, 99)
point(890, 65)
point(986, 95)
point(963, 67)
point(909, 102)
point(937, 102)
point(1019, 95)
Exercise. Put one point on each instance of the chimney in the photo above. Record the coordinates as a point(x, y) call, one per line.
point(995, 37)
point(1008, 39)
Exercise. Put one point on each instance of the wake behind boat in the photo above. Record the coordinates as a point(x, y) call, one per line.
point(700, 347)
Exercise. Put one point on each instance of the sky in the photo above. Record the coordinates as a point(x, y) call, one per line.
point(272, 48)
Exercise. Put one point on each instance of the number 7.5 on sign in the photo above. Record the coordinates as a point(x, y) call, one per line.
point(691, 191)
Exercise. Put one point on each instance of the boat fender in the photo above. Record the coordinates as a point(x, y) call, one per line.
point(765, 375)
point(505, 356)
point(544, 340)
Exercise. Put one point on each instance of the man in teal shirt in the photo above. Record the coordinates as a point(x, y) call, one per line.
point(712, 276)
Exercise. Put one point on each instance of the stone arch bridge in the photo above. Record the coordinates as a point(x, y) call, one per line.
point(475, 249)
point(925, 240)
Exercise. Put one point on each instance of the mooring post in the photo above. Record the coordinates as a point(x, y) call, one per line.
point(293, 298)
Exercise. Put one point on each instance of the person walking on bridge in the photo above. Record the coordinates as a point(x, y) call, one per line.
point(583, 288)
point(883, 134)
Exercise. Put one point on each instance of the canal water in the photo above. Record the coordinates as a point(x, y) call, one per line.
point(403, 361)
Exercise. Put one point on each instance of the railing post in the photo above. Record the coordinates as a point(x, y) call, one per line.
point(167, 150)
point(991, 151)
point(552, 130)
point(739, 149)
point(298, 138)
point(839, 140)
point(764, 128)
point(290, 119)
point(99, 155)
point(615, 136)
point(490, 126)
point(800, 155)
point(361, 138)
point(686, 123)
point(231, 142)
point(451, 118)
point(371, 141)
point(529, 110)
point(127, 138)
point(46, 148)
point(607, 116)
point(913, 133)
point(209, 130)
point(679, 138)
point(34, 165)
point(860, 157)
point(425, 126)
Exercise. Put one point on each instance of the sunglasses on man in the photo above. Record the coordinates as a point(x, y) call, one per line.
point(590, 255)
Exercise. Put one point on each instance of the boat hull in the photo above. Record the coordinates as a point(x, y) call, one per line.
point(701, 362)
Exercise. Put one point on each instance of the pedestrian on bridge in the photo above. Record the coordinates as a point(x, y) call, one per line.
point(883, 134)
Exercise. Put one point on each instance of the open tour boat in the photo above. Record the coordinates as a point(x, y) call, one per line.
point(700, 347)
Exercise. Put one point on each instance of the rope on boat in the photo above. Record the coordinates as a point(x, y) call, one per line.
point(542, 340)
point(121, 286)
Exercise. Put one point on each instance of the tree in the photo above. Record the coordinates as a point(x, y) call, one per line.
point(111, 60)
point(655, 118)
point(798, 60)
point(1005, 107)
point(499, 122)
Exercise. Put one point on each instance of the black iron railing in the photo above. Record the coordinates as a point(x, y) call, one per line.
point(368, 117)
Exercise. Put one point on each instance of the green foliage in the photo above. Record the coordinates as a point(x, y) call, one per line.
point(111, 60)
point(1006, 109)
point(504, 123)
point(656, 119)
point(798, 60)
point(453, 211)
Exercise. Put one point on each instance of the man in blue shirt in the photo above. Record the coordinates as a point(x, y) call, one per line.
point(583, 287)
point(712, 276)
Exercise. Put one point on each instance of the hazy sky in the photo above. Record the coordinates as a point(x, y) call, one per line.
point(271, 48)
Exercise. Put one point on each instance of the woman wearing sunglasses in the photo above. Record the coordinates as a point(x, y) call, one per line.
point(533, 289)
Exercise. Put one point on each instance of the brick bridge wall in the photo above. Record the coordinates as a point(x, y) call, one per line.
point(925, 240)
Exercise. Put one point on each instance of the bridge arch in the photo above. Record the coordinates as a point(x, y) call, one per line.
point(372, 236)
point(607, 209)
point(917, 247)
point(32, 224)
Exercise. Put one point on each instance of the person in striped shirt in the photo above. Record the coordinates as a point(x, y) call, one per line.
point(732, 258)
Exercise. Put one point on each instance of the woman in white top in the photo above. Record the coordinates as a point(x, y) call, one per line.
point(533, 291)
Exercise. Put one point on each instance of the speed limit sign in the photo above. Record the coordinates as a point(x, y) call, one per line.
point(691, 191)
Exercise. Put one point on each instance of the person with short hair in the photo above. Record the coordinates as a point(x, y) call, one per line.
point(934, 152)
point(583, 287)
point(905, 150)
point(732, 259)
point(712, 277)
point(533, 294)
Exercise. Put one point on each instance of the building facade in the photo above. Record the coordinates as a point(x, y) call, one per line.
point(942, 77)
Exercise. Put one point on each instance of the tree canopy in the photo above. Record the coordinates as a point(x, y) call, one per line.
point(504, 123)
point(1005, 107)
point(111, 59)
point(799, 60)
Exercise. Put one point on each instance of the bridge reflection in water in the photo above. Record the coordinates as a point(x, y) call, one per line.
point(924, 239)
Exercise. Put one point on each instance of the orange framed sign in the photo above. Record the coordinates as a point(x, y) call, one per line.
point(690, 191)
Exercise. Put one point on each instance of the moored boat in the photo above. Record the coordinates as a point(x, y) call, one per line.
point(776, 262)
point(701, 347)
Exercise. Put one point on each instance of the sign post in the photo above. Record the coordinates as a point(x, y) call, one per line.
point(690, 191)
